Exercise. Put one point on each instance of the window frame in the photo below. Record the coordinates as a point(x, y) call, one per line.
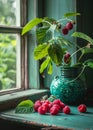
point(23, 47)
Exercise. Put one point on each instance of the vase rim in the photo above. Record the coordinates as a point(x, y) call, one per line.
point(70, 67)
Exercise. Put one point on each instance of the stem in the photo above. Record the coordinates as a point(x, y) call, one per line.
point(53, 35)
point(47, 22)
point(80, 57)
point(78, 75)
point(50, 27)
point(77, 51)
point(64, 19)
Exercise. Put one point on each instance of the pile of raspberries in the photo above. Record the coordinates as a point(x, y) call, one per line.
point(55, 107)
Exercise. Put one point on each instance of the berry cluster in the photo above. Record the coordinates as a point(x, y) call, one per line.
point(55, 107)
point(43, 107)
point(67, 27)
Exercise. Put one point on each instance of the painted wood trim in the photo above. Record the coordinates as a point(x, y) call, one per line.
point(11, 100)
point(33, 65)
point(73, 121)
point(5, 29)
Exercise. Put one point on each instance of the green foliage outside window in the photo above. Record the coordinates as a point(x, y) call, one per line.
point(7, 61)
point(7, 46)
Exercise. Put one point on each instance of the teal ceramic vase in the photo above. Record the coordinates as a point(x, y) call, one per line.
point(67, 87)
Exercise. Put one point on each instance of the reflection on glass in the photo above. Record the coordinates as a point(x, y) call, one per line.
point(7, 61)
point(9, 12)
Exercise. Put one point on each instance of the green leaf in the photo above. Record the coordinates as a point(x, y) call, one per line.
point(50, 20)
point(50, 68)
point(44, 64)
point(89, 63)
point(71, 14)
point(31, 24)
point(83, 36)
point(41, 51)
point(64, 42)
point(43, 34)
point(87, 50)
point(55, 51)
point(77, 64)
point(26, 106)
point(26, 103)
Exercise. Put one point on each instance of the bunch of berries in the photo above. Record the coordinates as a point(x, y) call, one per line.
point(55, 107)
point(67, 27)
point(43, 107)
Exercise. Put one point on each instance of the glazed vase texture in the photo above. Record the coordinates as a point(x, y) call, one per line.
point(67, 87)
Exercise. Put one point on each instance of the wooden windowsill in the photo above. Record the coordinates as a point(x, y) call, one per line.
point(9, 101)
point(73, 121)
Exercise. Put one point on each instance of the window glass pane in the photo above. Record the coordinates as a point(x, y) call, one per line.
point(10, 12)
point(8, 61)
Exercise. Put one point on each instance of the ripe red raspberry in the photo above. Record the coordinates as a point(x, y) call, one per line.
point(46, 105)
point(47, 101)
point(69, 25)
point(62, 105)
point(65, 31)
point(38, 101)
point(58, 106)
point(66, 110)
point(50, 105)
point(67, 58)
point(54, 110)
point(37, 105)
point(42, 110)
point(82, 108)
point(56, 101)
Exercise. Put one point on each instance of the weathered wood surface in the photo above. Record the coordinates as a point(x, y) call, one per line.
point(73, 121)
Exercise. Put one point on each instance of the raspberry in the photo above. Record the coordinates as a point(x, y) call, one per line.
point(50, 105)
point(67, 55)
point(46, 105)
point(42, 110)
point(58, 107)
point(37, 105)
point(47, 101)
point(65, 31)
point(54, 110)
point(38, 101)
point(69, 25)
point(82, 108)
point(56, 101)
point(66, 110)
point(62, 105)
point(67, 58)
